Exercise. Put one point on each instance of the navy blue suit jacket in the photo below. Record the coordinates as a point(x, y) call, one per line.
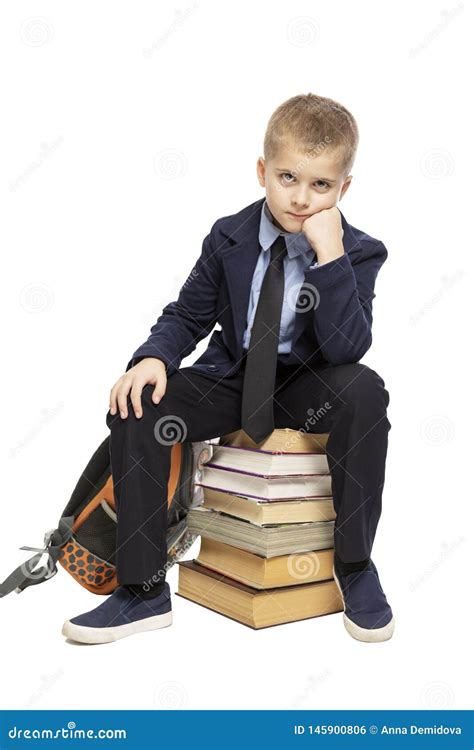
point(336, 329)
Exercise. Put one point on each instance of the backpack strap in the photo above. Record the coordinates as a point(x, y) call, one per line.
point(26, 574)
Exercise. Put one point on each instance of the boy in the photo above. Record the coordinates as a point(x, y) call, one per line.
point(291, 284)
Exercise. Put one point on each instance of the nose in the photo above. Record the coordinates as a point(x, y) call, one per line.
point(300, 201)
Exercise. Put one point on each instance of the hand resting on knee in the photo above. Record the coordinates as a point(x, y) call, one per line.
point(149, 371)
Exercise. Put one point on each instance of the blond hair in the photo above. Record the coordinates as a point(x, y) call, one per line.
point(312, 123)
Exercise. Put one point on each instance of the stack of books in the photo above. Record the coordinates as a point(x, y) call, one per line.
point(267, 531)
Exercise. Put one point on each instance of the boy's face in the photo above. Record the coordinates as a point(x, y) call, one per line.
point(301, 183)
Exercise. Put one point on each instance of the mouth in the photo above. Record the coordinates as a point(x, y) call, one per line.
point(298, 216)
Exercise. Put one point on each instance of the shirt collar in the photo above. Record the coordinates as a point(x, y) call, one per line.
point(296, 242)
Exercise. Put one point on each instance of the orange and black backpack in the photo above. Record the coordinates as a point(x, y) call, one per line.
point(84, 541)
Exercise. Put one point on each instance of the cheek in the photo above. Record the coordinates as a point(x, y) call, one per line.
point(276, 190)
point(326, 201)
point(274, 200)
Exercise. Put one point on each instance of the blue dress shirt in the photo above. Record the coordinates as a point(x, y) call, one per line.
point(297, 260)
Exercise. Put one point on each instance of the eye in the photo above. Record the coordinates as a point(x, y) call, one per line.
point(287, 178)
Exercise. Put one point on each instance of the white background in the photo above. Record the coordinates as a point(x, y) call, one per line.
point(127, 130)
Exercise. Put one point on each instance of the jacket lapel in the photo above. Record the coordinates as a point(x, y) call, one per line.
point(239, 262)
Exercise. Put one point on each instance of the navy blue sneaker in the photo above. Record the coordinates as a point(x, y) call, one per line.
point(123, 613)
point(367, 614)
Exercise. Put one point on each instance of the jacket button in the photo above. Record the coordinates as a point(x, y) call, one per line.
point(212, 367)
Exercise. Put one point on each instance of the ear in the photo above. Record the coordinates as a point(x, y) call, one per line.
point(345, 186)
point(261, 171)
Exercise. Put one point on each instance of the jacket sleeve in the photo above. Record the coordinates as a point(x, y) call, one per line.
point(343, 292)
point(190, 318)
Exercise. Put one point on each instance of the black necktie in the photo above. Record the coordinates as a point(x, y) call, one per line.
point(262, 355)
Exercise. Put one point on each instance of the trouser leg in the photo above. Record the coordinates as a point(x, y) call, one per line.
point(349, 402)
point(193, 408)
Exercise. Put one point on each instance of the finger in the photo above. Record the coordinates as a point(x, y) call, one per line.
point(122, 400)
point(135, 397)
point(158, 392)
point(113, 400)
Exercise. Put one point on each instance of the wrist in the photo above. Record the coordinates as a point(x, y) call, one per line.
point(329, 253)
point(155, 359)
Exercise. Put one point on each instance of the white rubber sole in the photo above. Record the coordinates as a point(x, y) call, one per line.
point(367, 635)
point(84, 634)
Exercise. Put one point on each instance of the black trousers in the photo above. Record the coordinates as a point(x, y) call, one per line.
point(347, 401)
